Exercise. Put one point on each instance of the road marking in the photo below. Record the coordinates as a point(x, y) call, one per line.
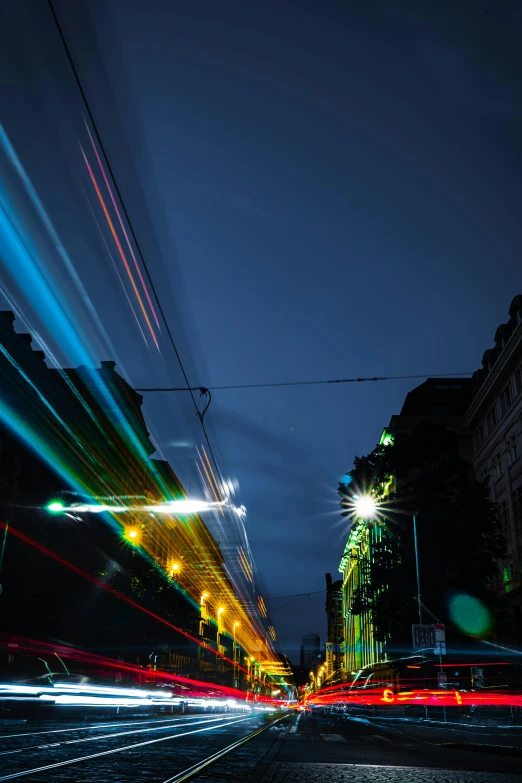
point(380, 736)
point(294, 728)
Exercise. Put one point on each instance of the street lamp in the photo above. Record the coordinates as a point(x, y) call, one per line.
point(365, 507)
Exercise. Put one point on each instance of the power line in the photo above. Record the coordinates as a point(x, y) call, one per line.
point(228, 387)
point(138, 247)
point(295, 595)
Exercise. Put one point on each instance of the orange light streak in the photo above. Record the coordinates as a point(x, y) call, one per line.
point(120, 249)
point(122, 227)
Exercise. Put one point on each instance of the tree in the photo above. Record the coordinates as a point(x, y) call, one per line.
point(458, 532)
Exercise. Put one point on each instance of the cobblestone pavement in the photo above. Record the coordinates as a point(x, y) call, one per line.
point(312, 748)
point(170, 750)
point(345, 773)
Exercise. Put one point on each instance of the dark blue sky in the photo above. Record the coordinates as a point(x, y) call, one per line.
point(321, 190)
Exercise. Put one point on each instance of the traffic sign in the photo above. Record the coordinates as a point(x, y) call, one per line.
point(423, 636)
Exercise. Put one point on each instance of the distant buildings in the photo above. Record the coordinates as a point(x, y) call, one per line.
point(335, 627)
point(310, 650)
point(495, 419)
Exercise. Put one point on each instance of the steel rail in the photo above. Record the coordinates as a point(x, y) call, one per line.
point(190, 772)
point(79, 759)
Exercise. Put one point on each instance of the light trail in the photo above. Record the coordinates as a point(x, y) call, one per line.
point(120, 249)
point(92, 756)
point(173, 507)
point(122, 226)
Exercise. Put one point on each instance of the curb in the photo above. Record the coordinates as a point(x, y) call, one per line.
point(502, 750)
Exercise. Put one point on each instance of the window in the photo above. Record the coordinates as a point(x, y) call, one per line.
point(516, 497)
point(508, 569)
point(480, 435)
point(518, 379)
point(497, 466)
point(491, 419)
point(503, 513)
point(505, 399)
point(512, 448)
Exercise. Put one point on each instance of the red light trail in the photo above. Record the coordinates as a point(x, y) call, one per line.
point(121, 596)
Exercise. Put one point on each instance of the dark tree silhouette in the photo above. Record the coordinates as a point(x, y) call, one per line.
point(458, 532)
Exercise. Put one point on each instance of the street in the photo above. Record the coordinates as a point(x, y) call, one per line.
point(299, 748)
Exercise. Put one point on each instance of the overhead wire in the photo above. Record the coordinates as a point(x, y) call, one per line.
point(277, 384)
point(131, 228)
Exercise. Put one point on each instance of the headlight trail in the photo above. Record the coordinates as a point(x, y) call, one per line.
point(174, 507)
point(122, 597)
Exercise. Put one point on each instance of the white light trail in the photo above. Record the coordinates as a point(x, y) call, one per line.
point(174, 507)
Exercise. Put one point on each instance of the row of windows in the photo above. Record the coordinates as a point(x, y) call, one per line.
point(511, 450)
point(512, 390)
point(503, 511)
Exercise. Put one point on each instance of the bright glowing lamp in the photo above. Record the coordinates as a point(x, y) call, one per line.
point(132, 534)
point(55, 508)
point(175, 567)
point(365, 507)
point(220, 610)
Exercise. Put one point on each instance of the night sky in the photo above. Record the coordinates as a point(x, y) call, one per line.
point(321, 190)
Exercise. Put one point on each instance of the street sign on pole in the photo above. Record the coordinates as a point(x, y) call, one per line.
point(440, 639)
point(423, 636)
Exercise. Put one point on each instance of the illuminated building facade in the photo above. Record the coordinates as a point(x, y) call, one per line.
point(334, 657)
point(495, 419)
point(87, 427)
point(441, 401)
point(360, 646)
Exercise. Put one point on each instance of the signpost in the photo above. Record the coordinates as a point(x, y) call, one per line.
point(423, 636)
point(426, 637)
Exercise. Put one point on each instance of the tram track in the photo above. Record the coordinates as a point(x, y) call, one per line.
point(180, 722)
point(186, 774)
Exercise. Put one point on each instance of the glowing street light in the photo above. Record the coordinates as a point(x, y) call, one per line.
point(220, 611)
point(174, 567)
point(55, 508)
point(365, 507)
point(132, 534)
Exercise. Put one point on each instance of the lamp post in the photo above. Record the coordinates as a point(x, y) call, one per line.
point(234, 652)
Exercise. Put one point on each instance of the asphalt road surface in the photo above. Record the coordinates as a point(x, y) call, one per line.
point(300, 748)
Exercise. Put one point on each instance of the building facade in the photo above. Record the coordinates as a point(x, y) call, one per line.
point(310, 650)
point(334, 656)
point(495, 419)
point(441, 401)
